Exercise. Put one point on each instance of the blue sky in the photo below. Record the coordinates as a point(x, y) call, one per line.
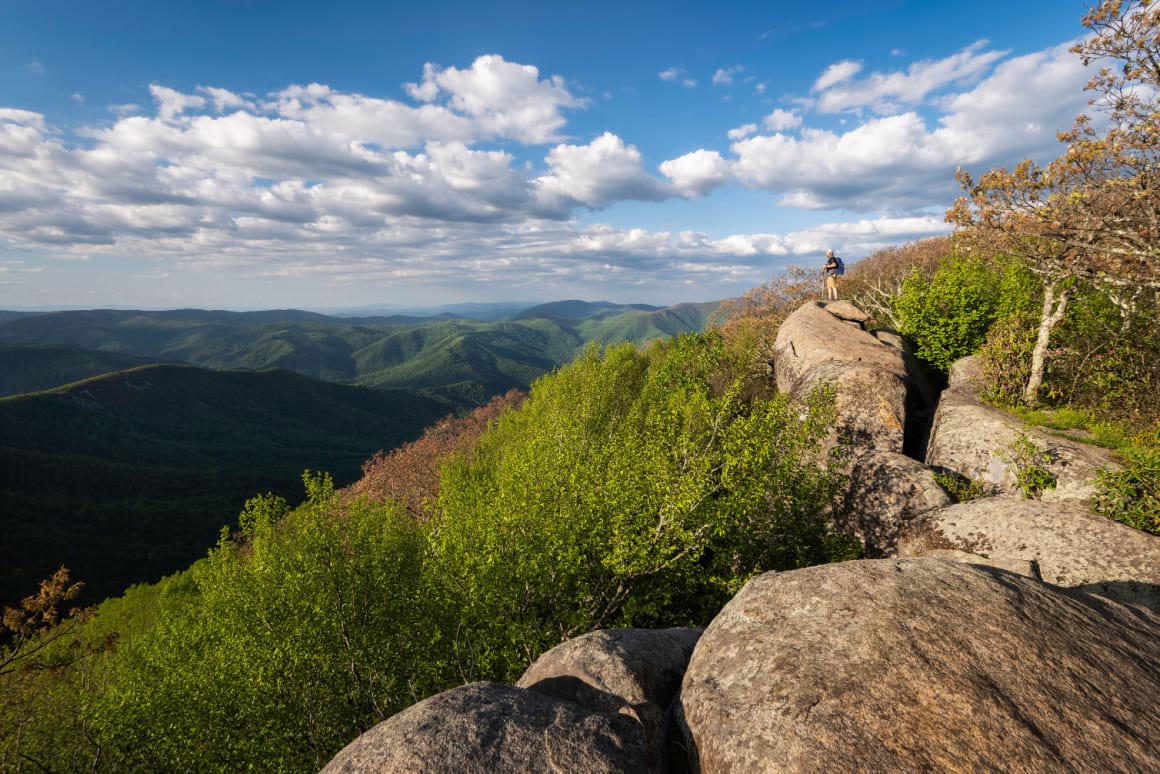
point(258, 154)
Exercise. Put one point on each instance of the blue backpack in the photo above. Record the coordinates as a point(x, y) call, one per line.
point(841, 266)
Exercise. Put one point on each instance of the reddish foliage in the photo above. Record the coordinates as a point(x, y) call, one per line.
point(410, 474)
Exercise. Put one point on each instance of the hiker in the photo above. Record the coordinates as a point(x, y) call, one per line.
point(832, 269)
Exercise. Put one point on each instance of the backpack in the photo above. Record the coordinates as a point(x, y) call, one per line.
point(841, 266)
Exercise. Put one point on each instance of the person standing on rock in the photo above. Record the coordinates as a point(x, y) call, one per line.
point(832, 269)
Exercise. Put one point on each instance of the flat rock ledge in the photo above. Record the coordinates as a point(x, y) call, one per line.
point(920, 665)
point(974, 440)
point(1064, 542)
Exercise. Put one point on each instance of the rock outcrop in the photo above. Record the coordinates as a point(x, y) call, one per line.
point(483, 728)
point(633, 672)
point(815, 347)
point(887, 492)
point(975, 441)
point(1070, 546)
point(920, 665)
point(1013, 635)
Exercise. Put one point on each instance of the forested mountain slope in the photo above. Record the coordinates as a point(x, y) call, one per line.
point(129, 476)
point(493, 356)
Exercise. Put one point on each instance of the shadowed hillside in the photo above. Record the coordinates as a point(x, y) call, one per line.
point(131, 475)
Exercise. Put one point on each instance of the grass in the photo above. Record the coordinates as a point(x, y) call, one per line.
point(1091, 429)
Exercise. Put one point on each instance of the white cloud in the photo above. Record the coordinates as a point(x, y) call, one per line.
point(695, 174)
point(689, 83)
point(837, 73)
point(224, 99)
point(171, 103)
point(503, 99)
point(780, 120)
point(724, 76)
point(384, 122)
point(900, 161)
point(742, 131)
point(21, 118)
point(598, 174)
point(670, 74)
point(883, 92)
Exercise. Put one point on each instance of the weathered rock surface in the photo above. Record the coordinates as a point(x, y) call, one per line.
point(974, 440)
point(814, 347)
point(920, 665)
point(484, 728)
point(844, 310)
point(886, 492)
point(1072, 547)
point(634, 672)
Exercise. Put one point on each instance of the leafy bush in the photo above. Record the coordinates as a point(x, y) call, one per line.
point(630, 489)
point(960, 488)
point(1006, 359)
point(1105, 361)
point(1030, 463)
point(949, 315)
point(308, 627)
point(1132, 496)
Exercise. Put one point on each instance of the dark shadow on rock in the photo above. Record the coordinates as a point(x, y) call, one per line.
point(577, 691)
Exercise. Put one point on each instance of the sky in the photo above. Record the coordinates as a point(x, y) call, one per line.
point(245, 154)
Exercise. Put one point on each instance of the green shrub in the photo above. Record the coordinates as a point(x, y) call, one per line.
point(308, 627)
point(1132, 495)
point(630, 489)
point(1006, 359)
point(948, 316)
point(1030, 463)
point(960, 488)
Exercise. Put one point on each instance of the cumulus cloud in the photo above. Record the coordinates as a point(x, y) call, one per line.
point(599, 173)
point(742, 131)
point(724, 76)
point(837, 73)
point(172, 103)
point(900, 161)
point(504, 99)
point(223, 99)
point(342, 190)
point(780, 120)
point(883, 92)
point(670, 74)
point(697, 173)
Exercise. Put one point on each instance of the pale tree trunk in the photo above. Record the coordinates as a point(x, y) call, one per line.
point(1053, 309)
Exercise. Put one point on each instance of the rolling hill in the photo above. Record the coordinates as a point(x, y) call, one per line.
point(129, 476)
point(470, 356)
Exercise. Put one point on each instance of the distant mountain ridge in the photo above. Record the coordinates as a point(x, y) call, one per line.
point(472, 356)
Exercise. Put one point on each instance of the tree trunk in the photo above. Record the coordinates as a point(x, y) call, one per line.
point(1053, 309)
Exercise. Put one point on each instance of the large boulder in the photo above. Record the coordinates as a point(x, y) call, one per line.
point(976, 441)
point(815, 347)
point(886, 492)
point(1070, 545)
point(634, 672)
point(484, 728)
point(921, 665)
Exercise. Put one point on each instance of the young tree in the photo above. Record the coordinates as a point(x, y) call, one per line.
point(1093, 214)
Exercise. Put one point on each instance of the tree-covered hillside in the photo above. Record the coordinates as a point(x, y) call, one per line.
point(630, 488)
point(36, 367)
point(479, 358)
point(129, 476)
